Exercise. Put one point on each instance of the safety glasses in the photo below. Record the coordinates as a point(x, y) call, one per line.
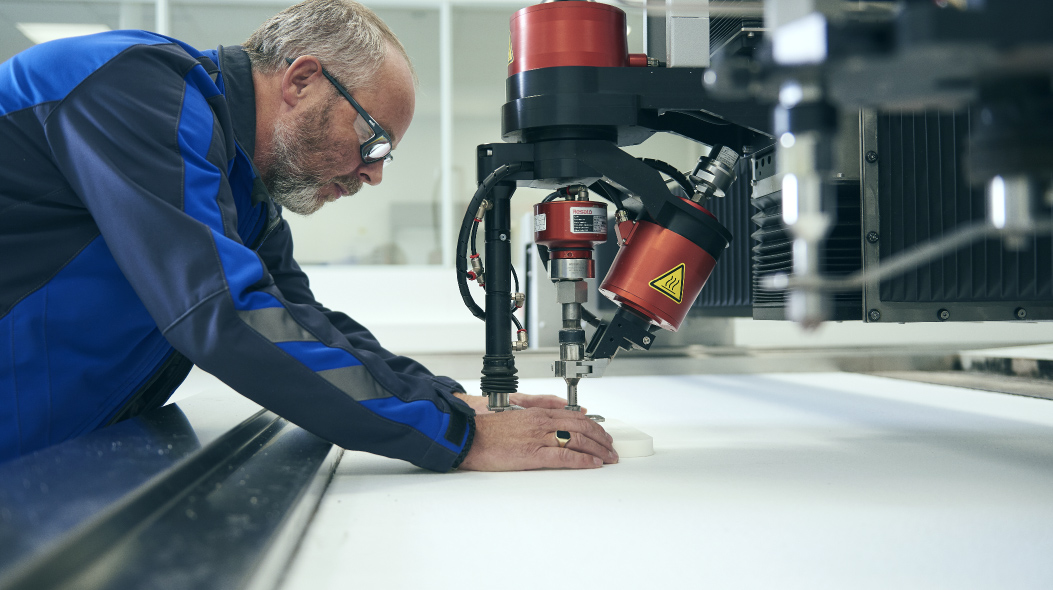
point(376, 143)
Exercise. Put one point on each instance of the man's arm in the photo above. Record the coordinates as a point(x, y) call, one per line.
point(277, 254)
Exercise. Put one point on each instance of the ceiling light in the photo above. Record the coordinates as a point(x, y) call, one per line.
point(42, 32)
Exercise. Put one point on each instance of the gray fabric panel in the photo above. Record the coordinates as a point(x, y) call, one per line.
point(276, 325)
point(355, 382)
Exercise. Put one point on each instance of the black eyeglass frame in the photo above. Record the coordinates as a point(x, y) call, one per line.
point(379, 135)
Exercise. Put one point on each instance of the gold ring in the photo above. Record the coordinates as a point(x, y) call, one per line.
point(562, 437)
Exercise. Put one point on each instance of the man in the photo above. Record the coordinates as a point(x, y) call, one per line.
point(138, 238)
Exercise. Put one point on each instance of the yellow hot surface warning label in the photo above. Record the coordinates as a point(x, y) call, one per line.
point(671, 283)
point(509, 48)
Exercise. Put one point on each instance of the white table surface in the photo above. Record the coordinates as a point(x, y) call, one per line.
point(758, 481)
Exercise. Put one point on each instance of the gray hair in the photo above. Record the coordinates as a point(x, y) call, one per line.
point(349, 39)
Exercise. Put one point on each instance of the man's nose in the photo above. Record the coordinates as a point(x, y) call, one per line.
point(373, 173)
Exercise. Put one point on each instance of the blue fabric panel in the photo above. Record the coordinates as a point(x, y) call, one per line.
point(61, 342)
point(242, 269)
point(91, 297)
point(201, 179)
point(30, 77)
point(199, 78)
point(319, 357)
point(213, 54)
point(420, 415)
point(31, 369)
point(9, 425)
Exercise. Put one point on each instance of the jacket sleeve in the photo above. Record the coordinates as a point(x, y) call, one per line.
point(277, 254)
point(146, 143)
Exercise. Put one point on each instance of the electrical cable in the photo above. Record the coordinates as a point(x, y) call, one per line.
point(671, 172)
point(608, 192)
point(464, 235)
point(590, 318)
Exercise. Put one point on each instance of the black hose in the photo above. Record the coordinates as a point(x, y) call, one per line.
point(608, 192)
point(468, 222)
point(589, 318)
point(671, 172)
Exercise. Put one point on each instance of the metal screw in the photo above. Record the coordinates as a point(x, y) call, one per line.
point(874, 315)
point(872, 237)
point(1020, 313)
point(840, 175)
point(944, 315)
point(871, 156)
point(504, 237)
point(646, 339)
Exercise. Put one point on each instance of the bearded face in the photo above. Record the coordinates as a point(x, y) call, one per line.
point(302, 160)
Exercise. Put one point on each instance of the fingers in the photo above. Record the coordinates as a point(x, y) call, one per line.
point(587, 428)
point(583, 444)
point(565, 458)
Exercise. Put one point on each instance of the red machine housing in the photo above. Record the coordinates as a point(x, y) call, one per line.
point(569, 33)
point(657, 272)
point(569, 229)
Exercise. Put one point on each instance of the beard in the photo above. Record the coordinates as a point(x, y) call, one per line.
point(299, 154)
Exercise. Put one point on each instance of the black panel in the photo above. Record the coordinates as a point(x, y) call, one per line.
point(923, 195)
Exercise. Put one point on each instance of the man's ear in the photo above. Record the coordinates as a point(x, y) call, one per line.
point(300, 78)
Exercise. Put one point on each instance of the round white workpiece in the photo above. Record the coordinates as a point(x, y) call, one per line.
point(628, 441)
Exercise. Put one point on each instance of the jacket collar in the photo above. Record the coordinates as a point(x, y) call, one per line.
point(241, 95)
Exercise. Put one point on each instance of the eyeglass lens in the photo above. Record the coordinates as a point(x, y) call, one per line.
point(374, 151)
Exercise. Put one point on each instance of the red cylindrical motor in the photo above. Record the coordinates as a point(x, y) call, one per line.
point(567, 33)
point(659, 272)
point(569, 229)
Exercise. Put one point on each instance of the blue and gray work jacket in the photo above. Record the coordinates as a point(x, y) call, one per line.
point(136, 240)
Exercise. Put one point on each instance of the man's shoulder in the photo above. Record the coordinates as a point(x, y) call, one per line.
point(50, 71)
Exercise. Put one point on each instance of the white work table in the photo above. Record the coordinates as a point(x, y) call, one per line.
point(829, 480)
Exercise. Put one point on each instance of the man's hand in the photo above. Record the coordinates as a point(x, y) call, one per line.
point(549, 402)
point(526, 439)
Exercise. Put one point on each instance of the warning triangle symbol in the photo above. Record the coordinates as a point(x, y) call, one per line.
point(671, 283)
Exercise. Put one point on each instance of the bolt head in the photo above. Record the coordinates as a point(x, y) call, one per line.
point(871, 156)
point(873, 237)
point(1020, 313)
point(944, 315)
point(874, 315)
point(646, 340)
